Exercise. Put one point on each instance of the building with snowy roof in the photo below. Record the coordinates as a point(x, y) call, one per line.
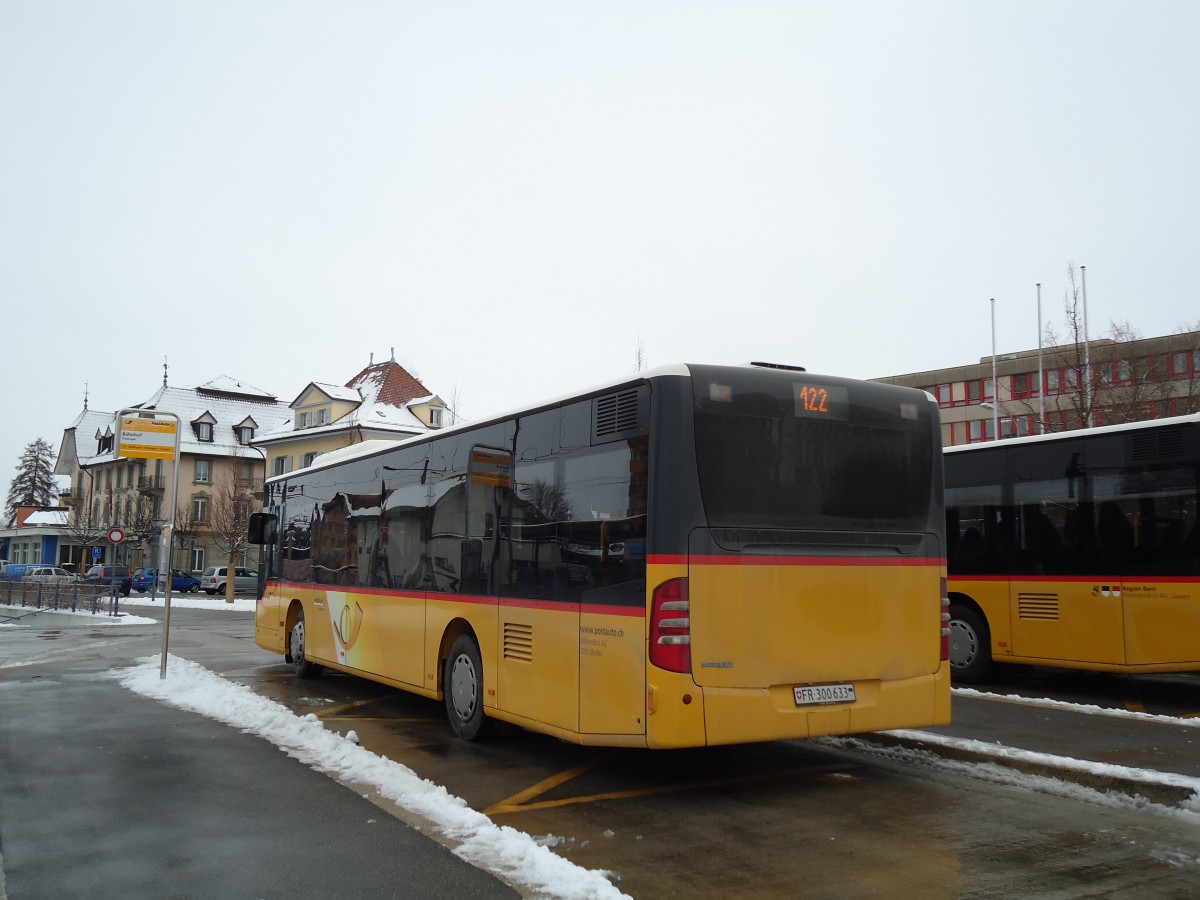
point(382, 402)
point(220, 477)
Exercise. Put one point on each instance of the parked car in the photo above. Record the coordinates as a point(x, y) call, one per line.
point(104, 576)
point(215, 578)
point(181, 581)
point(51, 575)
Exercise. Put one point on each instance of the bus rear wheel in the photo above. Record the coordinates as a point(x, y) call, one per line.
point(296, 649)
point(970, 645)
point(462, 687)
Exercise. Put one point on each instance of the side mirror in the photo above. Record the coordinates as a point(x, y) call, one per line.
point(263, 528)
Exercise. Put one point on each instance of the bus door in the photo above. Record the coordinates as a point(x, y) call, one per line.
point(1144, 520)
point(1065, 587)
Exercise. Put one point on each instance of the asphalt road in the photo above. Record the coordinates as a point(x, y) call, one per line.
point(820, 818)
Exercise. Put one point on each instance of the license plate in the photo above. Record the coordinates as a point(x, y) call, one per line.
point(819, 694)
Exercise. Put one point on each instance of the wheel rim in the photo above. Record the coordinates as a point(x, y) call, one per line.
point(298, 641)
point(964, 644)
point(464, 686)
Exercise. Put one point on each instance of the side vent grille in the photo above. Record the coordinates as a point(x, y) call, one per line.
point(617, 414)
point(518, 642)
point(1166, 443)
point(1038, 606)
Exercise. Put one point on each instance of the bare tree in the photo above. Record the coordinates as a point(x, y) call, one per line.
point(548, 499)
point(455, 409)
point(229, 523)
point(144, 528)
point(187, 530)
point(639, 356)
point(82, 530)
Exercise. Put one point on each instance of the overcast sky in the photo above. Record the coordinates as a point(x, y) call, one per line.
point(514, 194)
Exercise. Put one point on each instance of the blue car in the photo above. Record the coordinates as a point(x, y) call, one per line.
point(181, 581)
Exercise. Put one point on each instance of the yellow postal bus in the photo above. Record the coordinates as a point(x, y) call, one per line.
point(696, 555)
point(1078, 550)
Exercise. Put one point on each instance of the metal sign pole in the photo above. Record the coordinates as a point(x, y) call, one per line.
point(154, 434)
point(164, 556)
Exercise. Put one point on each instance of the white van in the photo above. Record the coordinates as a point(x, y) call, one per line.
point(214, 579)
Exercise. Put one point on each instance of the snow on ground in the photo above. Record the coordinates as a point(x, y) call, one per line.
point(192, 601)
point(100, 617)
point(521, 859)
point(1002, 774)
point(1077, 707)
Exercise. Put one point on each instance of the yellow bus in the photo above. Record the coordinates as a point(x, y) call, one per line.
point(1078, 549)
point(697, 555)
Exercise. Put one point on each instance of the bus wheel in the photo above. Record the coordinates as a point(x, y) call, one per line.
point(300, 664)
point(462, 685)
point(970, 645)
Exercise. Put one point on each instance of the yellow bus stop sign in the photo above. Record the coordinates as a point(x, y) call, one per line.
point(147, 438)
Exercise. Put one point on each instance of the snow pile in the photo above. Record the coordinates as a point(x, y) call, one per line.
point(504, 851)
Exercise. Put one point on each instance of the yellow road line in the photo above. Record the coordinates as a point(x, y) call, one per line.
point(334, 711)
point(516, 803)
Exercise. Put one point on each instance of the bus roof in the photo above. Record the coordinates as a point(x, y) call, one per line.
point(1190, 418)
point(683, 370)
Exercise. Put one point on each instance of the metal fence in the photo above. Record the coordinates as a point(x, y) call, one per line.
point(74, 596)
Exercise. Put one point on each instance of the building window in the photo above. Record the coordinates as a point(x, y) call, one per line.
point(280, 465)
point(435, 417)
point(322, 417)
point(200, 509)
point(1052, 386)
point(203, 471)
point(1020, 385)
point(943, 395)
point(197, 559)
point(204, 432)
point(245, 434)
point(307, 459)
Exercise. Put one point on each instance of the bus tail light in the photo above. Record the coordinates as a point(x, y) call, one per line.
point(945, 622)
point(671, 627)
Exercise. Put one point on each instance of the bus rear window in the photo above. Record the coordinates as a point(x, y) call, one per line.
point(788, 470)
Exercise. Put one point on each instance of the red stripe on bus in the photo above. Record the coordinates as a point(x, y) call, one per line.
point(747, 560)
point(568, 606)
point(1082, 579)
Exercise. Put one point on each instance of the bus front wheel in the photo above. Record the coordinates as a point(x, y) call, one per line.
point(970, 645)
point(296, 649)
point(462, 686)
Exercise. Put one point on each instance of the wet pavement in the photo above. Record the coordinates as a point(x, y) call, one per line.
point(177, 805)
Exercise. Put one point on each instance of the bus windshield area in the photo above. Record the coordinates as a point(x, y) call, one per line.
point(773, 465)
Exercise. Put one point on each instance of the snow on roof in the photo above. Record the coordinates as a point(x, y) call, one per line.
point(224, 407)
point(335, 392)
point(389, 383)
point(226, 385)
point(54, 518)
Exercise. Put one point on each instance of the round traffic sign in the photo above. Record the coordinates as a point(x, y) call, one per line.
point(116, 535)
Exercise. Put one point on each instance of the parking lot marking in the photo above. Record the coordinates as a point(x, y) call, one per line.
point(517, 802)
point(335, 712)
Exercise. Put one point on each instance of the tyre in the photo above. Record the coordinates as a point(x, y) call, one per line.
point(296, 649)
point(193, 588)
point(970, 645)
point(462, 687)
point(220, 589)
